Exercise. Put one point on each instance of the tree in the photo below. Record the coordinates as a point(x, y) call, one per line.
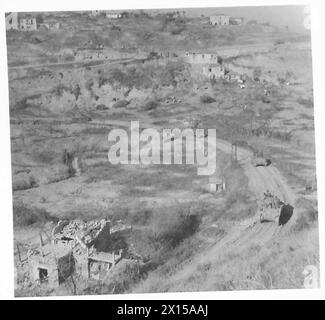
point(257, 73)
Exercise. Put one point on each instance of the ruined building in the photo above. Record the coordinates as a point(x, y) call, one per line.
point(207, 64)
point(28, 24)
point(219, 20)
point(51, 264)
point(12, 21)
point(89, 249)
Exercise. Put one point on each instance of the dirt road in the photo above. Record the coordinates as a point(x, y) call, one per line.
point(78, 64)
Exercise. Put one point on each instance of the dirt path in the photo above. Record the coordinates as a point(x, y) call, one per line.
point(249, 231)
point(78, 64)
point(260, 178)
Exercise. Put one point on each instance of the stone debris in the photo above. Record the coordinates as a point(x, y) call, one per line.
point(173, 100)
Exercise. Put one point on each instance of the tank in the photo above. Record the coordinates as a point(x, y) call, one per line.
point(279, 215)
point(262, 162)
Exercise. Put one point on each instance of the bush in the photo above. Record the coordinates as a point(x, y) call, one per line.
point(207, 99)
point(24, 182)
point(308, 217)
point(24, 216)
point(101, 107)
point(171, 226)
point(120, 104)
point(257, 73)
point(125, 275)
point(150, 105)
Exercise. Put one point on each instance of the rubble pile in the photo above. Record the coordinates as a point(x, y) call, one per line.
point(172, 100)
point(120, 226)
point(79, 231)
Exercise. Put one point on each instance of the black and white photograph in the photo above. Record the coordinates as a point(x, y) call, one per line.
point(162, 150)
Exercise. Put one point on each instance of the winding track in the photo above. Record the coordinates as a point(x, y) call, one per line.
point(260, 179)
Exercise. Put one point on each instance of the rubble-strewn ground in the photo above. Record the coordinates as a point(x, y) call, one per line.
point(192, 237)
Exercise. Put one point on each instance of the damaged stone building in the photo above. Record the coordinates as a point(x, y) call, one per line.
point(89, 249)
point(209, 65)
point(219, 20)
point(51, 264)
point(14, 22)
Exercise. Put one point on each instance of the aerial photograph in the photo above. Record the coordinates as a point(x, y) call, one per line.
point(162, 150)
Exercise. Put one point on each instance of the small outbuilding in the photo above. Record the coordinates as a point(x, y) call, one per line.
point(216, 184)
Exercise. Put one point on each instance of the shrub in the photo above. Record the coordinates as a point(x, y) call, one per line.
point(171, 226)
point(122, 278)
point(150, 105)
point(24, 216)
point(257, 73)
point(120, 104)
point(101, 107)
point(68, 57)
point(177, 30)
point(307, 217)
point(60, 89)
point(24, 182)
point(207, 99)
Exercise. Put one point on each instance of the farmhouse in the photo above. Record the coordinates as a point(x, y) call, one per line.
point(111, 15)
point(208, 64)
point(219, 20)
point(28, 24)
point(214, 71)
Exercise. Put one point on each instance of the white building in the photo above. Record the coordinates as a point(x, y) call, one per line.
point(95, 13)
point(216, 184)
point(111, 15)
point(219, 20)
point(12, 21)
point(27, 24)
